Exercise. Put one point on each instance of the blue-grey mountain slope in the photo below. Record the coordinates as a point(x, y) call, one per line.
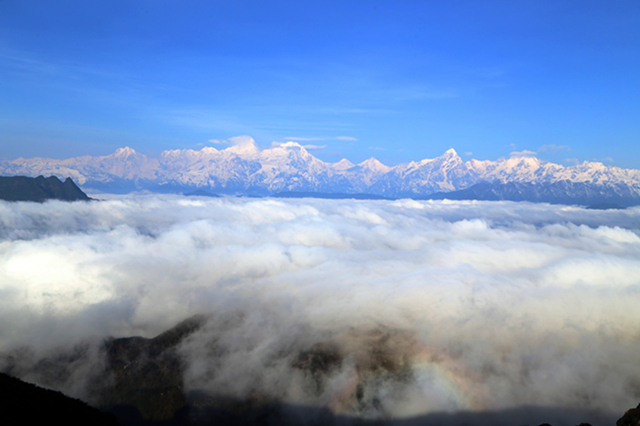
point(245, 169)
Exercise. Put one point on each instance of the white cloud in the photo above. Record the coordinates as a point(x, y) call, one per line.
point(292, 138)
point(468, 153)
point(523, 153)
point(607, 159)
point(553, 148)
point(340, 138)
point(492, 305)
point(243, 144)
point(308, 146)
point(218, 142)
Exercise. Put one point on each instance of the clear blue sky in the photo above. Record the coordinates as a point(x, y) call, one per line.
point(397, 80)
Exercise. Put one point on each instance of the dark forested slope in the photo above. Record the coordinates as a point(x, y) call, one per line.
point(26, 404)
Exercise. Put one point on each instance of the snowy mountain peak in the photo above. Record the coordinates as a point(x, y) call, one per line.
point(523, 163)
point(450, 153)
point(374, 165)
point(124, 152)
point(209, 150)
point(343, 164)
point(449, 158)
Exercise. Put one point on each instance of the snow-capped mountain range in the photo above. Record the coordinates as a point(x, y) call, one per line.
point(244, 168)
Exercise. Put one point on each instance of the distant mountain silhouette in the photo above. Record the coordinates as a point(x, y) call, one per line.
point(40, 189)
point(26, 404)
point(605, 206)
point(200, 193)
point(332, 196)
point(563, 192)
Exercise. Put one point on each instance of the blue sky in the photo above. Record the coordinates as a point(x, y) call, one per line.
point(397, 80)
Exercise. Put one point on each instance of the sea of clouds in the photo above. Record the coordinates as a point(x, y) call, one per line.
point(489, 305)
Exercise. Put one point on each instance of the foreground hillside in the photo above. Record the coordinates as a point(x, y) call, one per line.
point(24, 403)
point(142, 385)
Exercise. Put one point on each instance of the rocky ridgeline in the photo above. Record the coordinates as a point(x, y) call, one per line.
point(40, 189)
point(245, 169)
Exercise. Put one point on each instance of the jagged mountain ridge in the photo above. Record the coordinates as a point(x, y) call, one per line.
point(244, 168)
point(40, 189)
point(560, 192)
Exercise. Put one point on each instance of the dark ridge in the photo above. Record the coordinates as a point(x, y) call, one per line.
point(563, 192)
point(142, 386)
point(23, 403)
point(605, 206)
point(331, 196)
point(39, 189)
point(147, 375)
point(26, 404)
point(630, 418)
point(200, 193)
point(206, 411)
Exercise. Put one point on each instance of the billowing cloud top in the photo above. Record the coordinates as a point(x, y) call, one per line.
point(490, 305)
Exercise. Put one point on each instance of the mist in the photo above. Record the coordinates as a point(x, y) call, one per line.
point(472, 306)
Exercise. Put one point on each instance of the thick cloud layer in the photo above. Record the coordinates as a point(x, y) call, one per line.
point(420, 306)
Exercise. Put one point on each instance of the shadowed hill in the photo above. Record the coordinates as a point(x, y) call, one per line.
point(148, 375)
point(40, 189)
point(142, 385)
point(24, 403)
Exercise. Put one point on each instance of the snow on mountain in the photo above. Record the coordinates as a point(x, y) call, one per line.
point(123, 165)
point(360, 177)
point(445, 173)
point(246, 168)
point(533, 170)
point(343, 165)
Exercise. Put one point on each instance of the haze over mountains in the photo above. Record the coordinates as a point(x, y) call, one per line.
point(244, 168)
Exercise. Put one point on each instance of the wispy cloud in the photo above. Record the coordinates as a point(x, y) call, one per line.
point(205, 119)
point(607, 159)
point(52, 67)
point(311, 139)
point(553, 148)
point(299, 139)
point(523, 153)
point(307, 146)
